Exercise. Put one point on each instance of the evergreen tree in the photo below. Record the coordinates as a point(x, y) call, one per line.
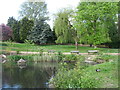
point(41, 33)
point(26, 26)
point(15, 26)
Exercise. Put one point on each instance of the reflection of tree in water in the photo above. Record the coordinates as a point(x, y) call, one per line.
point(33, 76)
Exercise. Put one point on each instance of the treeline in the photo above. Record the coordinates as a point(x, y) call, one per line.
point(91, 23)
point(26, 30)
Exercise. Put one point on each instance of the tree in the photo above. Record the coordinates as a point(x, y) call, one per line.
point(91, 21)
point(6, 32)
point(113, 31)
point(15, 26)
point(34, 11)
point(16, 31)
point(26, 26)
point(41, 33)
point(11, 21)
point(63, 27)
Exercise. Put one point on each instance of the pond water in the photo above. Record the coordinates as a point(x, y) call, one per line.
point(34, 75)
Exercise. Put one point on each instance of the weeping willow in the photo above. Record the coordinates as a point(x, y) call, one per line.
point(63, 28)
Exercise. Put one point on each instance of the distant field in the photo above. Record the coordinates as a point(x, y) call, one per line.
point(63, 48)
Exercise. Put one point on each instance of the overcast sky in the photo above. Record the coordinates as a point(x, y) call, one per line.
point(10, 8)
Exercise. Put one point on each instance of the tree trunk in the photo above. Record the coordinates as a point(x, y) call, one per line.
point(76, 44)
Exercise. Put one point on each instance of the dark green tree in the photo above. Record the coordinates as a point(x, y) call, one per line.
point(16, 31)
point(15, 26)
point(41, 33)
point(11, 21)
point(113, 31)
point(26, 27)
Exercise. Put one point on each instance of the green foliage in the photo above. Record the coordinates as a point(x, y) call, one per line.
point(86, 77)
point(16, 31)
point(26, 26)
point(20, 28)
point(41, 52)
point(41, 33)
point(29, 42)
point(11, 21)
point(18, 52)
point(73, 78)
point(46, 58)
point(15, 26)
point(60, 56)
point(113, 31)
point(93, 20)
point(37, 57)
point(18, 57)
point(103, 57)
point(63, 28)
point(71, 57)
point(34, 11)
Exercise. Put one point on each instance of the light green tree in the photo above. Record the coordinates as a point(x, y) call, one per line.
point(63, 28)
point(92, 21)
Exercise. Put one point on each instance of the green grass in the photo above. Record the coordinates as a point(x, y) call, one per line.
point(88, 77)
point(107, 76)
point(36, 48)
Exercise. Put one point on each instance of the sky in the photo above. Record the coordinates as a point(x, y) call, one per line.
point(10, 8)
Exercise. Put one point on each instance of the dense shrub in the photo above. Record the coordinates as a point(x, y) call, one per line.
point(73, 78)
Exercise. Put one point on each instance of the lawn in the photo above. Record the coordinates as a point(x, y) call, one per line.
point(63, 48)
point(108, 75)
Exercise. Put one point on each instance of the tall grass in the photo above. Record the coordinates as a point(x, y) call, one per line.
point(37, 57)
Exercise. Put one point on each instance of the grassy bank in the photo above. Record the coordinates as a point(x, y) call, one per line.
point(86, 76)
point(63, 48)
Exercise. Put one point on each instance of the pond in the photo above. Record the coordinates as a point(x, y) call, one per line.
point(33, 75)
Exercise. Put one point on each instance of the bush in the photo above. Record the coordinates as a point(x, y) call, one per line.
point(73, 57)
point(18, 57)
point(73, 78)
point(60, 56)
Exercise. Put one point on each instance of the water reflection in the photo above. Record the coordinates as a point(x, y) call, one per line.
point(34, 75)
